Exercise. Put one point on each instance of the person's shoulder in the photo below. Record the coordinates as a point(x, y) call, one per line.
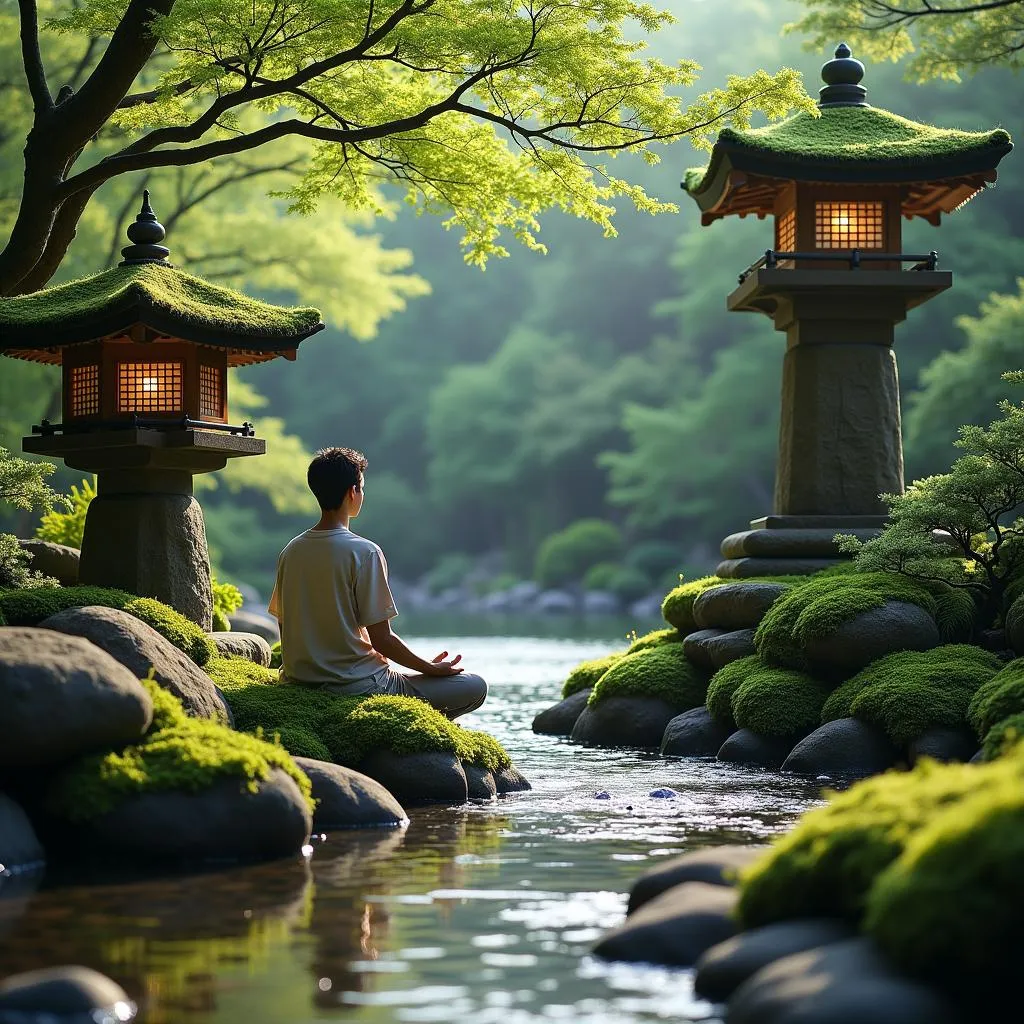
point(291, 545)
point(365, 547)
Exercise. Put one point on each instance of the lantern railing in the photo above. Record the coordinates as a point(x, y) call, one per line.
point(48, 429)
point(853, 258)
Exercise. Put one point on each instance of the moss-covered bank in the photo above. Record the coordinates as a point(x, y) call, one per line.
point(662, 673)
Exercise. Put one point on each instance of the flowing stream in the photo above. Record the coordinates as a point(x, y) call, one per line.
point(483, 913)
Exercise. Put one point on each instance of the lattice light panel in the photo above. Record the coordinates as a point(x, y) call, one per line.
point(149, 387)
point(211, 392)
point(849, 225)
point(84, 396)
point(785, 232)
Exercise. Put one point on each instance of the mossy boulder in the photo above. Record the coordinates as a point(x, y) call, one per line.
point(736, 605)
point(1013, 623)
point(999, 697)
point(559, 719)
point(586, 673)
point(656, 638)
point(663, 673)
point(677, 608)
point(724, 683)
point(910, 692)
point(778, 702)
point(623, 722)
point(1003, 736)
point(846, 748)
point(31, 606)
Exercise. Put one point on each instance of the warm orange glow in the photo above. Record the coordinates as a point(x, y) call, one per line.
point(149, 387)
point(785, 232)
point(211, 392)
point(849, 225)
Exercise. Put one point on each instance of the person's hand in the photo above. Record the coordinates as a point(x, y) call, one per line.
point(443, 666)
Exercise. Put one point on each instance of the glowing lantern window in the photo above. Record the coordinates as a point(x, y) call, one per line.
point(149, 387)
point(785, 232)
point(849, 225)
point(85, 390)
point(211, 392)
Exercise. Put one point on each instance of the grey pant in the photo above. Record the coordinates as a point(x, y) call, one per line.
point(451, 695)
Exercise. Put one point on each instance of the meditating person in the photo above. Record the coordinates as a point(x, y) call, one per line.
point(333, 604)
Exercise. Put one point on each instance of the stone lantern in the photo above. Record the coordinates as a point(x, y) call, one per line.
point(144, 350)
point(836, 284)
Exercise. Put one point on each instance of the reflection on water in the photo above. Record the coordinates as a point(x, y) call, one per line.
point(482, 913)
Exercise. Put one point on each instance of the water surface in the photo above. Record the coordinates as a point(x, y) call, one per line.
point(483, 913)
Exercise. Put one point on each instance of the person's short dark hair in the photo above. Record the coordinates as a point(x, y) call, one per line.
point(332, 472)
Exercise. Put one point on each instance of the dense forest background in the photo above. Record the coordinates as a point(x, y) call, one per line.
point(604, 379)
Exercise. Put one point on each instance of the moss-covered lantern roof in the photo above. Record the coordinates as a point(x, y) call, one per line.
point(146, 290)
point(849, 142)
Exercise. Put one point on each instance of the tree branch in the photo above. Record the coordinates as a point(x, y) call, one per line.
point(887, 15)
point(42, 101)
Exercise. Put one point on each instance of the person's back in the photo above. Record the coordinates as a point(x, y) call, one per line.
point(334, 606)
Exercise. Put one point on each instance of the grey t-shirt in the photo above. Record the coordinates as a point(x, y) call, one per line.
point(331, 585)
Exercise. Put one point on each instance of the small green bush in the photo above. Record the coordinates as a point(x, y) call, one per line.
point(656, 638)
point(625, 583)
point(14, 566)
point(275, 655)
point(677, 608)
point(998, 698)
point(68, 527)
point(908, 692)
point(724, 683)
point(227, 599)
point(956, 615)
point(661, 672)
point(820, 606)
point(450, 572)
point(947, 910)
point(565, 557)
point(826, 865)
point(30, 607)
point(654, 558)
point(178, 753)
point(587, 673)
point(344, 728)
point(1003, 737)
point(778, 702)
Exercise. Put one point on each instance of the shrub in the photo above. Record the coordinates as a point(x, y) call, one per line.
point(778, 702)
point(826, 865)
point(956, 615)
point(663, 673)
point(947, 910)
point(654, 558)
point(625, 583)
point(227, 599)
point(908, 692)
point(724, 683)
point(22, 483)
point(565, 557)
point(344, 728)
point(178, 753)
point(30, 607)
point(1003, 737)
point(68, 527)
point(586, 673)
point(998, 698)
point(275, 655)
point(450, 572)
point(14, 566)
point(820, 606)
point(677, 608)
point(656, 638)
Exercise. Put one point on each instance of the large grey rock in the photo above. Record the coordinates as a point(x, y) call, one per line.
point(430, 778)
point(150, 544)
point(510, 780)
point(19, 847)
point(140, 648)
point(250, 646)
point(559, 719)
point(896, 626)
point(695, 646)
point(714, 865)
point(944, 743)
point(694, 733)
point(62, 995)
point(348, 799)
point(842, 983)
point(745, 568)
point(59, 561)
point(815, 542)
point(61, 696)
point(480, 783)
point(746, 747)
point(736, 605)
point(846, 748)
point(555, 602)
point(674, 928)
point(729, 647)
point(623, 722)
point(223, 822)
point(249, 620)
point(723, 968)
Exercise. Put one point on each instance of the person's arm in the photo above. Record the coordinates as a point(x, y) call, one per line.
point(394, 649)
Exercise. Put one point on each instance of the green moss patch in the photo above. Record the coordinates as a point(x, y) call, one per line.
point(656, 638)
point(346, 729)
point(724, 683)
point(176, 295)
point(820, 606)
point(998, 698)
point(31, 606)
point(778, 702)
point(661, 673)
point(677, 608)
point(587, 673)
point(908, 692)
point(177, 754)
point(1003, 737)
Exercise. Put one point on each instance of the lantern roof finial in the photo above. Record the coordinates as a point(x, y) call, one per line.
point(842, 77)
point(145, 233)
